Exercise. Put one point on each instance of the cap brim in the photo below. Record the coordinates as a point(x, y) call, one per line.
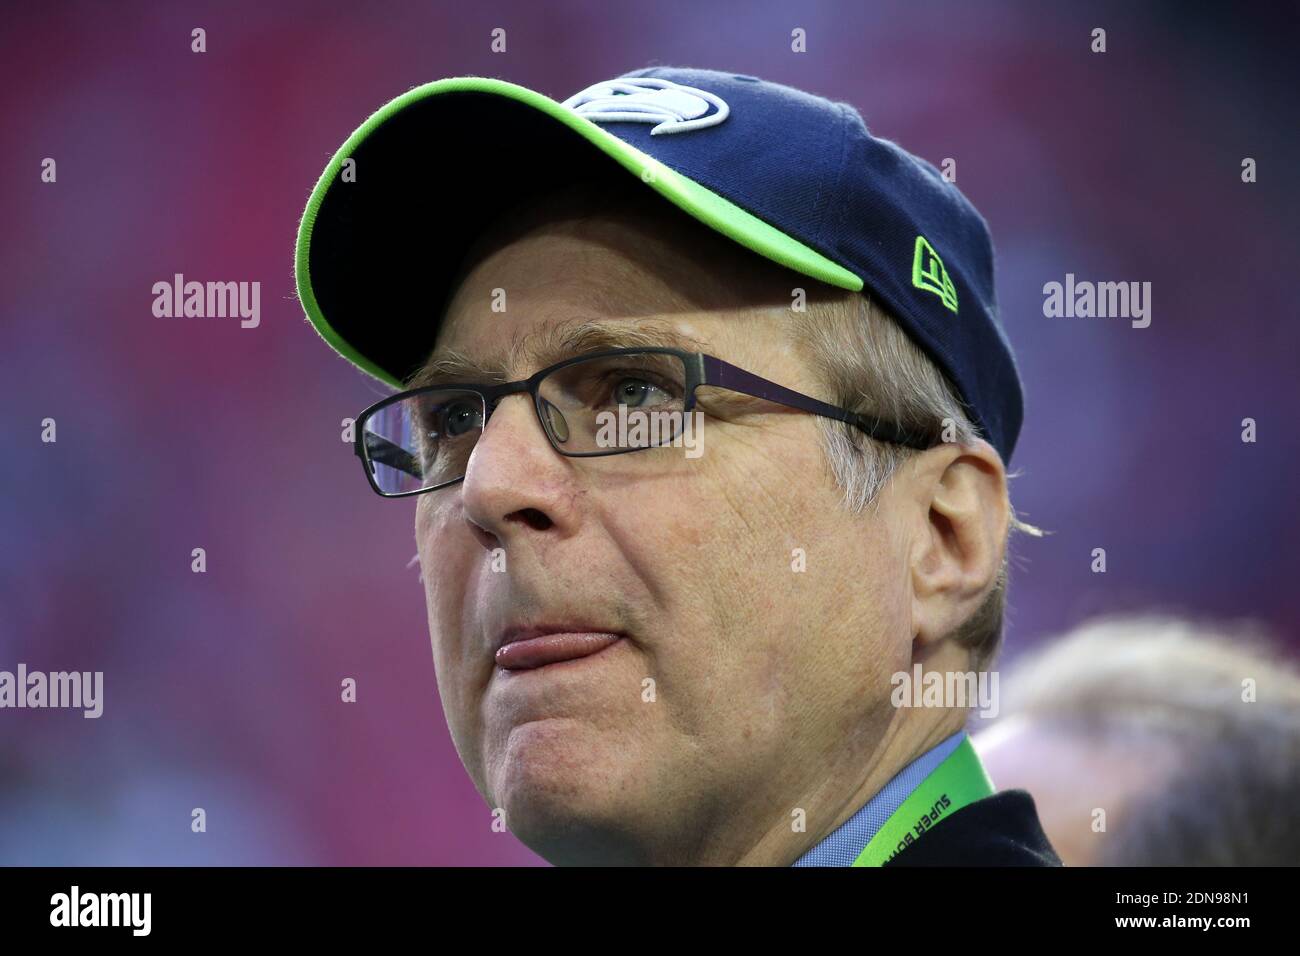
point(377, 250)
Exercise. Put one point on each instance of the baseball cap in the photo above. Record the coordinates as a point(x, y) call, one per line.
point(792, 176)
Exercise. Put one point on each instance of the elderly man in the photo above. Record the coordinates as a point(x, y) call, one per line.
point(707, 411)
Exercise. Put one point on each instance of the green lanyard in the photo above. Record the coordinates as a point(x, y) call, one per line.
point(958, 781)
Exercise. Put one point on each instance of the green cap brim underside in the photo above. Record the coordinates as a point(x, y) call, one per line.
point(708, 207)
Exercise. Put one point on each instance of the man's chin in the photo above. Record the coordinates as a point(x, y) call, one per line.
point(568, 797)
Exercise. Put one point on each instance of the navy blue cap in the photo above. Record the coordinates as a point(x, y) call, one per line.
point(794, 177)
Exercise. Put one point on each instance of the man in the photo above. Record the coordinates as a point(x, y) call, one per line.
point(1156, 741)
point(686, 654)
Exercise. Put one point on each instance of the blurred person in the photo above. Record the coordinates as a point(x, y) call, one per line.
point(1155, 741)
point(686, 655)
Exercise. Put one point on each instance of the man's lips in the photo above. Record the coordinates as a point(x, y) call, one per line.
point(526, 650)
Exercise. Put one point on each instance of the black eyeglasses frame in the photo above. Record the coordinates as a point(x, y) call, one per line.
point(701, 369)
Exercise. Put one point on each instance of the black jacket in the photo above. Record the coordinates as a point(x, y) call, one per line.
point(1001, 830)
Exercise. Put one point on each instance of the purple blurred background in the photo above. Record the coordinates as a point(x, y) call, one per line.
point(222, 689)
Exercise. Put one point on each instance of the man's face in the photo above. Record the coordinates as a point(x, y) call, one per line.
point(737, 681)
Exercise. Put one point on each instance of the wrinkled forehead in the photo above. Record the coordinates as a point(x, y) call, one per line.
point(580, 270)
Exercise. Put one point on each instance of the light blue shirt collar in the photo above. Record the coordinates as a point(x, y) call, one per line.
point(842, 847)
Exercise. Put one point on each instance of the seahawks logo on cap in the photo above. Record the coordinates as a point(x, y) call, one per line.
point(674, 108)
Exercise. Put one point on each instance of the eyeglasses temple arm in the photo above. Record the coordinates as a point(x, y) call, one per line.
point(725, 375)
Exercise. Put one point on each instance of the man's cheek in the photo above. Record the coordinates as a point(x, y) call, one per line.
point(447, 565)
point(430, 518)
point(680, 529)
point(755, 493)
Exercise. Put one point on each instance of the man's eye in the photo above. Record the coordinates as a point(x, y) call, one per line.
point(637, 392)
point(457, 419)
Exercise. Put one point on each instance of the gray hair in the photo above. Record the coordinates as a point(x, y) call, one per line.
point(871, 366)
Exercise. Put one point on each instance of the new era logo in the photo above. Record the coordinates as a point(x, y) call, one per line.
point(929, 274)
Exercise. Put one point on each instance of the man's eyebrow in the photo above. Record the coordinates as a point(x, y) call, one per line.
point(531, 352)
point(447, 365)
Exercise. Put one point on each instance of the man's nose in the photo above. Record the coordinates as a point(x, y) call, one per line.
point(515, 481)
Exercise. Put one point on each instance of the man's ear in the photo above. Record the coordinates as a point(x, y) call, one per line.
point(962, 518)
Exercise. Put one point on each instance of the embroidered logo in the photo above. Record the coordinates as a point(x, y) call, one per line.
point(929, 274)
point(674, 108)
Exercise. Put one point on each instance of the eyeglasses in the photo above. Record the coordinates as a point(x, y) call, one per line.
point(602, 403)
